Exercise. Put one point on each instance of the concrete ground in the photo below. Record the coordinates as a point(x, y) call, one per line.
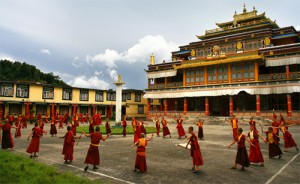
point(166, 162)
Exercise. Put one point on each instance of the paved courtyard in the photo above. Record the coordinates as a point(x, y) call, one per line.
point(168, 163)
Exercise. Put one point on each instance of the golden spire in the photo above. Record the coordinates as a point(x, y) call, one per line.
point(152, 60)
point(244, 10)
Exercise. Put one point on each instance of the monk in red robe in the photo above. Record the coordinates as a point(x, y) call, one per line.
point(18, 127)
point(287, 136)
point(68, 147)
point(179, 127)
point(93, 156)
point(107, 126)
point(157, 126)
point(142, 127)
point(136, 128)
point(252, 123)
point(91, 126)
point(200, 129)
point(24, 122)
point(7, 139)
point(66, 117)
point(73, 128)
point(53, 130)
point(275, 124)
point(140, 160)
point(234, 123)
point(195, 150)
point(242, 155)
point(274, 149)
point(34, 146)
point(166, 130)
point(255, 155)
point(124, 125)
point(61, 120)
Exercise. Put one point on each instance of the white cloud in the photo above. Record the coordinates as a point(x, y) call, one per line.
point(76, 62)
point(113, 74)
point(297, 27)
point(98, 73)
point(93, 82)
point(140, 52)
point(45, 51)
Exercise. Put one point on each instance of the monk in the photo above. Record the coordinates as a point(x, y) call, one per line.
point(252, 123)
point(61, 120)
point(157, 126)
point(18, 127)
point(255, 155)
point(124, 125)
point(34, 146)
point(195, 150)
point(275, 124)
point(73, 128)
point(53, 130)
point(200, 129)
point(24, 122)
point(234, 123)
point(274, 149)
point(288, 138)
point(140, 160)
point(68, 147)
point(142, 127)
point(241, 155)
point(7, 139)
point(93, 156)
point(179, 127)
point(91, 126)
point(136, 129)
point(107, 126)
point(66, 117)
point(166, 130)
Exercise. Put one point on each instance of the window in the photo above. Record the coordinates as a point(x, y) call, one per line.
point(22, 91)
point(141, 109)
point(217, 74)
point(242, 72)
point(128, 96)
point(195, 76)
point(111, 96)
point(137, 97)
point(211, 74)
point(41, 109)
point(99, 96)
point(7, 89)
point(200, 53)
point(123, 97)
point(84, 95)
point(15, 109)
point(83, 109)
point(67, 94)
point(48, 92)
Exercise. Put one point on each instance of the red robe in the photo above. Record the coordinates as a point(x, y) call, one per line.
point(124, 124)
point(107, 127)
point(166, 130)
point(242, 155)
point(143, 129)
point(73, 129)
point(140, 160)
point(274, 149)
point(137, 130)
point(234, 124)
point(68, 147)
point(93, 156)
point(195, 151)
point(7, 140)
point(288, 138)
point(200, 130)
point(157, 125)
point(255, 155)
point(24, 122)
point(53, 130)
point(18, 129)
point(34, 145)
point(61, 119)
point(180, 129)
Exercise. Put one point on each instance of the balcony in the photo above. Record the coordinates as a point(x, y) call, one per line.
point(278, 76)
point(168, 85)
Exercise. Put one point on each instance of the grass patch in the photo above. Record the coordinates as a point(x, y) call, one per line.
point(19, 169)
point(116, 130)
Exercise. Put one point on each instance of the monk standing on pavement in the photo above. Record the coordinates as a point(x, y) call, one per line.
point(93, 156)
point(34, 146)
point(166, 130)
point(140, 160)
point(179, 127)
point(7, 139)
point(124, 125)
point(68, 147)
point(136, 129)
point(195, 150)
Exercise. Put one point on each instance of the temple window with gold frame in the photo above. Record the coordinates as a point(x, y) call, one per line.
point(242, 72)
point(195, 76)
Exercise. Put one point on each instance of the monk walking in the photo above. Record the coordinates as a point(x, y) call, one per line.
point(140, 160)
point(107, 126)
point(136, 129)
point(288, 138)
point(124, 125)
point(195, 150)
point(255, 155)
point(34, 146)
point(68, 147)
point(200, 129)
point(157, 126)
point(93, 156)
point(274, 149)
point(179, 127)
point(241, 155)
point(166, 130)
point(53, 130)
point(234, 123)
point(7, 139)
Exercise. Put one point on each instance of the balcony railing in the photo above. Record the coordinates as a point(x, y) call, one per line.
point(162, 85)
point(278, 76)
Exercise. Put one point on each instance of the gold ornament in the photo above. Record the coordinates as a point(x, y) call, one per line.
point(193, 52)
point(239, 45)
point(267, 41)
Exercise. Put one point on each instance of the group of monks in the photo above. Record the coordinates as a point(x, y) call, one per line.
point(140, 139)
point(272, 139)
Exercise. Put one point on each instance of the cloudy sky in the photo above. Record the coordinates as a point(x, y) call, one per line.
point(88, 42)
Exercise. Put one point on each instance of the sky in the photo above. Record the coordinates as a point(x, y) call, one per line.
point(89, 42)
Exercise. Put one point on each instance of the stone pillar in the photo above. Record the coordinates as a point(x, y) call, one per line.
point(185, 106)
point(289, 104)
point(230, 105)
point(52, 111)
point(206, 106)
point(257, 105)
point(165, 106)
point(119, 84)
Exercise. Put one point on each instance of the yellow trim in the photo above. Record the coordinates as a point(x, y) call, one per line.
point(198, 63)
point(256, 71)
point(229, 73)
point(184, 77)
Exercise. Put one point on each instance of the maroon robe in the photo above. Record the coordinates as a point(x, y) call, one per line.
point(157, 125)
point(140, 160)
point(195, 151)
point(107, 127)
point(124, 124)
point(242, 155)
point(255, 155)
point(180, 129)
point(18, 129)
point(166, 130)
point(34, 145)
point(7, 140)
point(288, 138)
point(68, 147)
point(93, 156)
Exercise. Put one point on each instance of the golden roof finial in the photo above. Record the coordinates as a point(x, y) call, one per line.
point(244, 10)
point(152, 60)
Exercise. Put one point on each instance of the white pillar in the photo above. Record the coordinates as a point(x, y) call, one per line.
point(119, 84)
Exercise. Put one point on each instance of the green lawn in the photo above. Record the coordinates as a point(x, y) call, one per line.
point(116, 130)
point(19, 169)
